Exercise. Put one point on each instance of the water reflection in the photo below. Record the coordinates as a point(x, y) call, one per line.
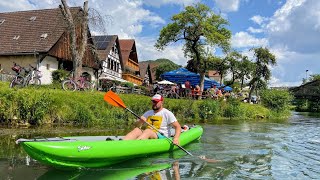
point(159, 168)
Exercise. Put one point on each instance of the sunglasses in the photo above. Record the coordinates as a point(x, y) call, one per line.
point(153, 101)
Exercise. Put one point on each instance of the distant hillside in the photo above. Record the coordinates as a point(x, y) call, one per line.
point(161, 66)
point(160, 61)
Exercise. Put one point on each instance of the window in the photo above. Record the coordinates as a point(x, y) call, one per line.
point(43, 36)
point(16, 37)
point(115, 48)
point(33, 18)
point(48, 66)
point(109, 63)
point(112, 65)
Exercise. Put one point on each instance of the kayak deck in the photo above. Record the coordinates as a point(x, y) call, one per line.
point(75, 138)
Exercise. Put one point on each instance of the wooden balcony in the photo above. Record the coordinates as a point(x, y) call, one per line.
point(132, 65)
point(132, 78)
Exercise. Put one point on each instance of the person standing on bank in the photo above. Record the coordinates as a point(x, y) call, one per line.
point(160, 118)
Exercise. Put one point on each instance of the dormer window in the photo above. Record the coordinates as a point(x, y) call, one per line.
point(44, 35)
point(2, 21)
point(33, 18)
point(115, 49)
point(16, 37)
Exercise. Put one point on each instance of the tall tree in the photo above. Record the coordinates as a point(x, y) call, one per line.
point(233, 59)
point(198, 27)
point(220, 65)
point(165, 67)
point(246, 70)
point(314, 77)
point(74, 24)
point(264, 58)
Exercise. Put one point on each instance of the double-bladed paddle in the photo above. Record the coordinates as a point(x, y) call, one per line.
point(114, 100)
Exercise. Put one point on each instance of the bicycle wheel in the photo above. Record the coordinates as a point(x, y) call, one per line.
point(87, 86)
point(17, 82)
point(34, 82)
point(69, 85)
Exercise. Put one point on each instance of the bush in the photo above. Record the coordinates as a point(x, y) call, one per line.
point(59, 75)
point(25, 105)
point(209, 110)
point(33, 106)
point(127, 84)
point(278, 100)
point(232, 109)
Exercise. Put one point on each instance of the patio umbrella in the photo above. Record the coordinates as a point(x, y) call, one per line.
point(165, 82)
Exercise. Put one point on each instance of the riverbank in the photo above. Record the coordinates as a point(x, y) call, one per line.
point(36, 106)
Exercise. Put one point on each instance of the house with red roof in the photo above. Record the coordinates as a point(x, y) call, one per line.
point(131, 71)
point(40, 38)
point(109, 53)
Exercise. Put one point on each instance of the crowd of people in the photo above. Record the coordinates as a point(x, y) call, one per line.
point(186, 90)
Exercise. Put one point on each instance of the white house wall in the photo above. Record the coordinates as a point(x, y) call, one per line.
point(47, 66)
point(89, 71)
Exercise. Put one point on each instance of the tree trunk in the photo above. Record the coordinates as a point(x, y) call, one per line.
point(77, 50)
point(201, 84)
point(241, 86)
point(253, 87)
point(77, 66)
point(221, 75)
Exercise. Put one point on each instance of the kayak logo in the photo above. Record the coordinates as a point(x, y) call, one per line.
point(83, 148)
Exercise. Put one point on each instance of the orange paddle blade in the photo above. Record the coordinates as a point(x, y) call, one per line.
point(113, 99)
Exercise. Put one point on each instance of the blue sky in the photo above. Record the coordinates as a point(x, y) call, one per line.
point(289, 28)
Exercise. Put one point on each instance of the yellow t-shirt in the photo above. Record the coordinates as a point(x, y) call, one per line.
point(155, 121)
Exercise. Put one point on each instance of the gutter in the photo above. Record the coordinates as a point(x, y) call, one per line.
point(20, 53)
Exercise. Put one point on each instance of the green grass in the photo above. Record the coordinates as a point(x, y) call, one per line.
point(47, 105)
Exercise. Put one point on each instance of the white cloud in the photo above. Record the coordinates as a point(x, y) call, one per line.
point(228, 5)
point(258, 19)
point(291, 33)
point(128, 17)
point(295, 25)
point(243, 39)
point(146, 51)
point(21, 5)
point(254, 30)
point(158, 3)
point(291, 66)
point(274, 82)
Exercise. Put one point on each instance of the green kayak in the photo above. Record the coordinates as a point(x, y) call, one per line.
point(99, 151)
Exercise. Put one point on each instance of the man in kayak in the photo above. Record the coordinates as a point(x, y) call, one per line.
point(161, 119)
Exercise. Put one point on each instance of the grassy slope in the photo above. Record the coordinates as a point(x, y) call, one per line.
point(45, 105)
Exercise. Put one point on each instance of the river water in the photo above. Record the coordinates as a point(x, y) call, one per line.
point(233, 150)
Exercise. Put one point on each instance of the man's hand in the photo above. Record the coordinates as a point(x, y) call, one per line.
point(142, 118)
point(140, 122)
point(177, 129)
point(176, 141)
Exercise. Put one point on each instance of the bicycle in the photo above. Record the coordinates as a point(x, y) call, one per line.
point(81, 84)
point(32, 76)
